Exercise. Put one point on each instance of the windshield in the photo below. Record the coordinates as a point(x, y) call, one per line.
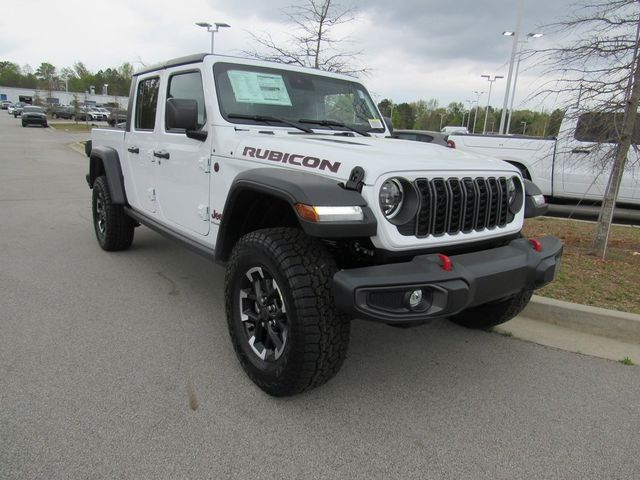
point(293, 96)
point(33, 110)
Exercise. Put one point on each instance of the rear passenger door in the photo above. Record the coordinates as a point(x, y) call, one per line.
point(141, 141)
point(183, 173)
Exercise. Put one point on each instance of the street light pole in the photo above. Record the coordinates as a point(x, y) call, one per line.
point(470, 103)
point(475, 116)
point(486, 113)
point(515, 78)
point(442, 115)
point(212, 29)
point(514, 48)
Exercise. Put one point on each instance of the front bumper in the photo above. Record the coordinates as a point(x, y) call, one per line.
point(381, 293)
point(34, 120)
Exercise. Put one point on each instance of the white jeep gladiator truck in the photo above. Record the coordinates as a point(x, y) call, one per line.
point(573, 167)
point(289, 178)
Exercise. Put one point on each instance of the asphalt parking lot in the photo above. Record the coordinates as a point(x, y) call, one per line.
point(119, 365)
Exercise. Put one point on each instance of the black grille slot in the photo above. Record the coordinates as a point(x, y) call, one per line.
point(441, 206)
point(458, 205)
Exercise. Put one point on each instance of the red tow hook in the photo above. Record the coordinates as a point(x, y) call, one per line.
point(446, 262)
point(537, 246)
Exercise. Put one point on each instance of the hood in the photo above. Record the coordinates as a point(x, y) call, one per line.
point(336, 156)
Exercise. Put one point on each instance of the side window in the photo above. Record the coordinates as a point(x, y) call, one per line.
point(189, 85)
point(147, 103)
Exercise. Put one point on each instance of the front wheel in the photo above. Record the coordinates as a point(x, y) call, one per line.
point(494, 313)
point(283, 323)
point(114, 229)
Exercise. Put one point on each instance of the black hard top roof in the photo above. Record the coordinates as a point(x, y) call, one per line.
point(175, 62)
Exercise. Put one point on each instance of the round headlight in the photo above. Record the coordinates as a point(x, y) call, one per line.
point(511, 190)
point(391, 197)
point(515, 194)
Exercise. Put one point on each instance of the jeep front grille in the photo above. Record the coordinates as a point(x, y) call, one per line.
point(457, 205)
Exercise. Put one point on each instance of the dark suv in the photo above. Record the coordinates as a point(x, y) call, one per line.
point(63, 112)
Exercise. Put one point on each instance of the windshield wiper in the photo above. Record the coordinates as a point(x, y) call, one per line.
point(332, 123)
point(267, 118)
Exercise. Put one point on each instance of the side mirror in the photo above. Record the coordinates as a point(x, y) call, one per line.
point(389, 123)
point(182, 114)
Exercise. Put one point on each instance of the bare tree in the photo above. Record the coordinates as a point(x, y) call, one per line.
point(312, 43)
point(599, 69)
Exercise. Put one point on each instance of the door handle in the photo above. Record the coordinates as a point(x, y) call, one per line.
point(581, 150)
point(133, 150)
point(161, 154)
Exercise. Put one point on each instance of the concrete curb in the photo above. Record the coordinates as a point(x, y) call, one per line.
point(77, 147)
point(593, 320)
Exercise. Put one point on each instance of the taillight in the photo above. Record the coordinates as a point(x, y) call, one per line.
point(451, 144)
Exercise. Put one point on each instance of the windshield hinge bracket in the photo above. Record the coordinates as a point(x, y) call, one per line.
point(356, 180)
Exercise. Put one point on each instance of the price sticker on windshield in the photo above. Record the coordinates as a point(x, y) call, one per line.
point(375, 123)
point(256, 87)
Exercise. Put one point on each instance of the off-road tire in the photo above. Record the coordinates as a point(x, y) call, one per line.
point(45, 125)
point(318, 335)
point(114, 229)
point(494, 313)
point(24, 124)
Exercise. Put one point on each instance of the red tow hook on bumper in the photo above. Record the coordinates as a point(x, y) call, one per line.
point(446, 262)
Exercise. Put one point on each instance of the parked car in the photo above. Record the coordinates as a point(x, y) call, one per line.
point(5, 104)
point(88, 113)
point(117, 116)
point(34, 116)
point(457, 129)
point(422, 136)
point(103, 111)
point(65, 112)
point(17, 109)
point(11, 110)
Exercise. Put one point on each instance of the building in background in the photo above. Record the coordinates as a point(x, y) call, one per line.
point(56, 97)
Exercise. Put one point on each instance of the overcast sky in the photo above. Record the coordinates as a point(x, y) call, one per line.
point(416, 49)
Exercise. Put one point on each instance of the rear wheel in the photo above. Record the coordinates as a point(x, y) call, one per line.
point(114, 229)
point(494, 313)
point(283, 323)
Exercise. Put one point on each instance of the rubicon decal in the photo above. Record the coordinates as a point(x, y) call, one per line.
point(291, 158)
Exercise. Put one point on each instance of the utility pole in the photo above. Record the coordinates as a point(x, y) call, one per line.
point(486, 114)
point(514, 49)
point(475, 116)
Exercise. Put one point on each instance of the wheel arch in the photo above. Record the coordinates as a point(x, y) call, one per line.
point(266, 198)
point(105, 161)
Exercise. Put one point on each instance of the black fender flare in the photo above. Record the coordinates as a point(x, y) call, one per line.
point(107, 159)
point(294, 187)
point(531, 209)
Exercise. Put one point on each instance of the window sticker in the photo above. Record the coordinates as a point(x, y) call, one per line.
point(256, 87)
point(375, 123)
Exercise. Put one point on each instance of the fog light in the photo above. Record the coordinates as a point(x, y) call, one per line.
point(418, 300)
point(415, 299)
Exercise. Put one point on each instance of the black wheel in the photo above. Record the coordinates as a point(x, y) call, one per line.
point(283, 323)
point(24, 124)
point(45, 124)
point(494, 313)
point(114, 229)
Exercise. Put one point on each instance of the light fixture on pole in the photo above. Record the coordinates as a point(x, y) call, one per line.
point(515, 78)
point(514, 48)
point(475, 116)
point(486, 113)
point(212, 29)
